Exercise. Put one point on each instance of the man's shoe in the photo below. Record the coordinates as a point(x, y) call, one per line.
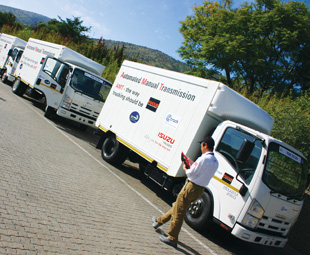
point(165, 240)
point(155, 224)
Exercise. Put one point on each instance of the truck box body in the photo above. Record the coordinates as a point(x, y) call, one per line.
point(160, 113)
point(36, 51)
point(8, 42)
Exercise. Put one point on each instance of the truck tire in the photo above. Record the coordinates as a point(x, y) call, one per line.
point(19, 88)
point(4, 78)
point(199, 214)
point(113, 151)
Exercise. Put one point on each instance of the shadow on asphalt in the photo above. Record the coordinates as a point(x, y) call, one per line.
point(182, 247)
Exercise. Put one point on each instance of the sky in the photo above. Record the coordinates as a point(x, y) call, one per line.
point(149, 23)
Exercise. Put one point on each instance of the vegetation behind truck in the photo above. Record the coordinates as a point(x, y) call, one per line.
point(11, 50)
point(152, 115)
point(66, 82)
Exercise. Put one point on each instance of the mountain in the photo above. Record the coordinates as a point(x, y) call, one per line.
point(25, 17)
point(147, 55)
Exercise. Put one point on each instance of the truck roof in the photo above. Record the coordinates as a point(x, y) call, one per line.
point(227, 104)
point(15, 41)
point(70, 56)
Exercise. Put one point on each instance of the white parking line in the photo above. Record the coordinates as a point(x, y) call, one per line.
point(119, 178)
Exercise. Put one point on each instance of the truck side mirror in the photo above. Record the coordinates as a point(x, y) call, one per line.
point(245, 151)
point(10, 52)
point(243, 190)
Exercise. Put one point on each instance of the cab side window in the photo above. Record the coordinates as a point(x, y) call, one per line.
point(230, 145)
point(57, 70)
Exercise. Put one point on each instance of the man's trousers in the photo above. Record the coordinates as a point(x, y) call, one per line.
point(189, 193)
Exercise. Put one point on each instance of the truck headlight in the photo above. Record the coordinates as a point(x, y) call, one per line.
point(253, 215)
point(66, 103)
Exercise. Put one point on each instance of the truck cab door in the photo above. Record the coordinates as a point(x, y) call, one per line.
point(11, 60)
point(57, 72)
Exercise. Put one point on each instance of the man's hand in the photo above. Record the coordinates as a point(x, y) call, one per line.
point(184, 167)
point(190, 160)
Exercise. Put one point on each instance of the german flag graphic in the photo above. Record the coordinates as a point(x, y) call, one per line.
point(227, 178)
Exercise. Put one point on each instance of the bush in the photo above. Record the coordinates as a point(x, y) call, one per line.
point(292, 119)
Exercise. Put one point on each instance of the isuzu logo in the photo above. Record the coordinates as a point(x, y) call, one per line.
point(166, 138)
point(134, 117)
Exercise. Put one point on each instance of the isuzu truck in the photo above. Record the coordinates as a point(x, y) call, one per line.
point(153, 115)
point(11, 50)
point(66, 82)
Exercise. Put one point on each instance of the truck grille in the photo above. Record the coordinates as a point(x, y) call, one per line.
point(85, 112)
point(273, 227)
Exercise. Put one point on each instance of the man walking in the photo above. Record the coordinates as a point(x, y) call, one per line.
point(198, 177)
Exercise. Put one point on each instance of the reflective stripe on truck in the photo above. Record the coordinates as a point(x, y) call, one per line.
point(135, 150)
point(226, 184)
point(31, 86)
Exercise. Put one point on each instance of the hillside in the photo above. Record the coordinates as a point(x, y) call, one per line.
point(149, 56)
point(25, 17)
point(146, 55)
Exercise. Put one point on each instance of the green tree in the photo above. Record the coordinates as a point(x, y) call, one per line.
point(69, 28)
point(73, 28)
point(263, 45)
point(292, 118)
point(7, 19)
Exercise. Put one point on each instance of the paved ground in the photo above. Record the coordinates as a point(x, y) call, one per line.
point(57, 196)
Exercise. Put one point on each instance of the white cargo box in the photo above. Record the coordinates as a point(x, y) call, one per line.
point(8, 42)
point(36, 51)
point(160, 113)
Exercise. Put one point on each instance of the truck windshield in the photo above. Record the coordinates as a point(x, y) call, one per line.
point(230, 145)
point(285, 172)
point(14, 53)
point(90, 85)
point(19, 55)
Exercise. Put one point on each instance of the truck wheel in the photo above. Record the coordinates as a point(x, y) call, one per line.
point(113, 151)
point(19, 88)
point(4, 78)
point(199, 214)
point(176, 188)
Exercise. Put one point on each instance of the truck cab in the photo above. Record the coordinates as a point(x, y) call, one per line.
point(84, 96)
point(8, 70)
point(67, 90)
point(257, 191)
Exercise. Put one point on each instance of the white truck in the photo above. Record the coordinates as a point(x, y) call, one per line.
point(66, 82)
point(152, 115)
point(11, 50)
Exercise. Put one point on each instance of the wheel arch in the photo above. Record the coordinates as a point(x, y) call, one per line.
point(216, 200)
point(113, 151)
point(103, 135)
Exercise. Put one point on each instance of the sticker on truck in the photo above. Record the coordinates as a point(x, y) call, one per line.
point(152, 104)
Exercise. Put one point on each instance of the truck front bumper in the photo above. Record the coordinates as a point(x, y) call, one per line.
point(258, 238)
point(76, 116)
